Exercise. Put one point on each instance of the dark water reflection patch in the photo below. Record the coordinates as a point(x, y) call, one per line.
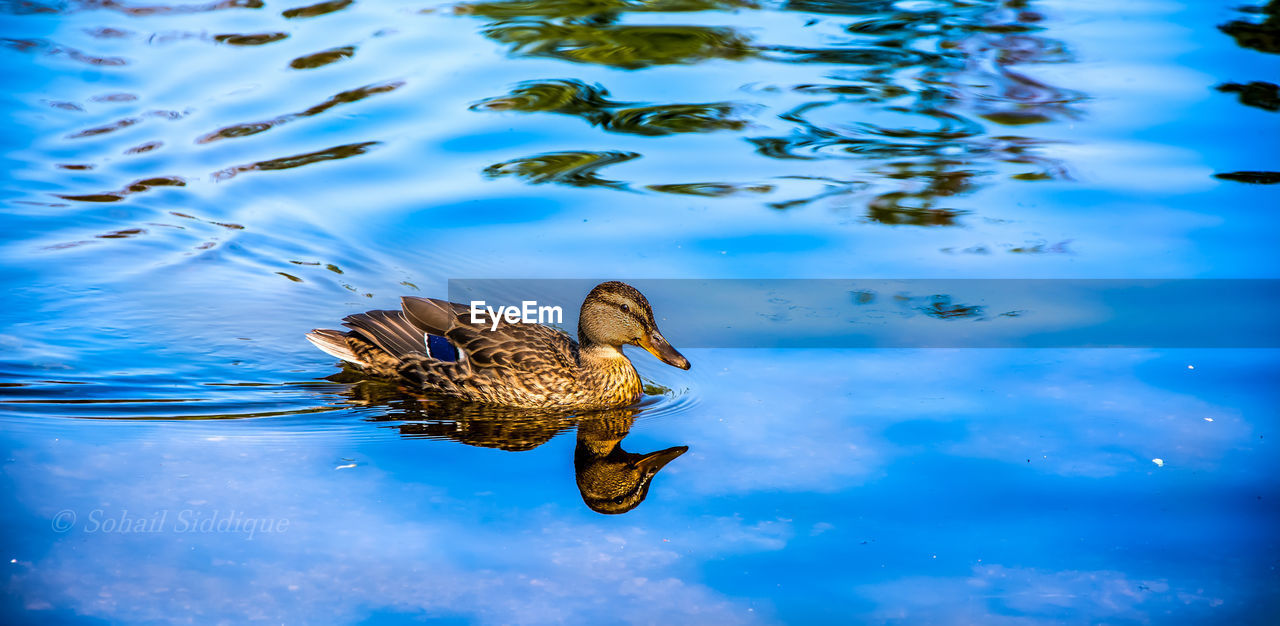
point(137, 186)
point(569, 97)
point(588, 8)
point(1260, 94)
point(591, 103)
point(322, 58)
point(145, 147)
point(345, 97)
point(115, 97)
point(1264, 35)
point(125, 123)
point(665, 119)
point(57, 50)
point(576, 169)
point(713, 190)
point(627, 47)
point(1256, 178)
point(316, 10)
point(257, 39)
point(147, 10)
point(847, 56)
point(298, 160)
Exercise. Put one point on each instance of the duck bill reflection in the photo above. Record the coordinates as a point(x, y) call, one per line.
point(654, 461)
point(657, 345)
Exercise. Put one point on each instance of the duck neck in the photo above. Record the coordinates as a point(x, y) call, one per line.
point(605, 367)
point(601, 356)
point(601, 436)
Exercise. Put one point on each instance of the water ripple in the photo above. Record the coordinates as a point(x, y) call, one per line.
point(577, 169)
point(55, 50)
point(346, 97)
point(627, 47)
point(162, 9)
point(587, 8)
point(256, 39)
point(590, 102)
point(298, 160)
point(879, 57)
point(711, 190)
point(316, 10)
point(125, 123)
point(569, 97)
point(675, 118)
point(322, 58)
point(137, 186)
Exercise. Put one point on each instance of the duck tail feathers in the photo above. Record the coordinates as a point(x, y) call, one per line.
point(334, 343)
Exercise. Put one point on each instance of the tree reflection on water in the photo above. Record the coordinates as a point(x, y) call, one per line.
point(1263, 36)
point(911, 99)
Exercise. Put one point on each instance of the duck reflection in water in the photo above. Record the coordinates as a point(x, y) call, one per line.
point(610, 479)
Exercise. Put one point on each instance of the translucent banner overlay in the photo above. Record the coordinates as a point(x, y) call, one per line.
point(923, 313)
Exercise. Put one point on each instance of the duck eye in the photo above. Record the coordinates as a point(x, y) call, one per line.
point(625, 308)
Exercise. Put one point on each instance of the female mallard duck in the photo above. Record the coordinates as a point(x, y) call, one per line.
point(434, 345)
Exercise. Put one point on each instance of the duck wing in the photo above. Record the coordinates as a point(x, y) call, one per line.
point(510, 349)
point(389, 331)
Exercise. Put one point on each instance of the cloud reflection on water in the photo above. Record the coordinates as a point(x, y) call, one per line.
point(413, 526)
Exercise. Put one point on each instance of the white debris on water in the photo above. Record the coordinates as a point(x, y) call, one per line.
point(1158, 462)
point(1208, 419)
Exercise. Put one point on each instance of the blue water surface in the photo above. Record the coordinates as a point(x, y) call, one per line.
point(189, 188)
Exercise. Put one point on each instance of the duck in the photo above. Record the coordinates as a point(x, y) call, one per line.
point(434, 346)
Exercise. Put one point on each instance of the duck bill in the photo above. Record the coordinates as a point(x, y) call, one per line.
point(655, 461)
point(657, 345)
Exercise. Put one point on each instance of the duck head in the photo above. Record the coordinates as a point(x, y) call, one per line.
point(615, 314)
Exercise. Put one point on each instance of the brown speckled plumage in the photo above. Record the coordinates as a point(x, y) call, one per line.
point(522, 365)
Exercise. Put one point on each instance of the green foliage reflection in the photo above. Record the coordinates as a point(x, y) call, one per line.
point(591, 103)
point(628, 47)
point(585, 8)
point(577, 169)
point(911, 95)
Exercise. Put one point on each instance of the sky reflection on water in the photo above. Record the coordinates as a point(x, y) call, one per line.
point(189, 188)
point(891, 501)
